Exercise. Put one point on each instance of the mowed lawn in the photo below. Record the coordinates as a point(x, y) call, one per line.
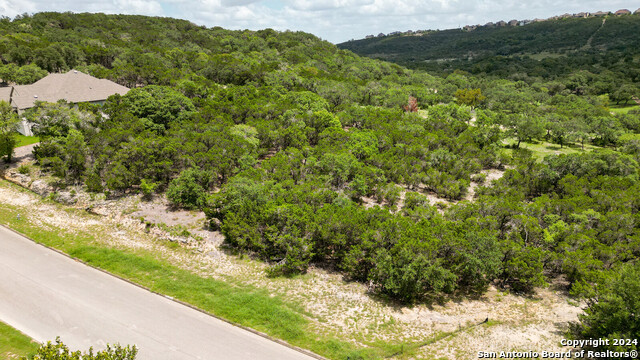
point(26, 140)
point(14, 344)
point(541, 149)
point(623, 109)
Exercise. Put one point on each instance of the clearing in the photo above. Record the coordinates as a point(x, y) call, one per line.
point(541, 149)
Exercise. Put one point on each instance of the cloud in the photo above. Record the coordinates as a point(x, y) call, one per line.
point(233, 3)
point(12, 8)
point(320, 5)
point(334, 20)
point(144, 7)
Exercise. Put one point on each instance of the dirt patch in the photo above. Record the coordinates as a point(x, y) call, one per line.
point(159, 211)
point(490, 176)
point(433, 198)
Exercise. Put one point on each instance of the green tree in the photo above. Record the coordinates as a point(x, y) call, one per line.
point(158, 104)
point(624, 93)
point(27, 74)
point(525, 128)
point(75, 155)
point(523, 270)
point(470, 97)
point(613, 311)
point(8, 133)
point(187, 190)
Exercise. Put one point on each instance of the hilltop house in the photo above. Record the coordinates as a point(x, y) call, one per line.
point(623, 12)
point(73, 86)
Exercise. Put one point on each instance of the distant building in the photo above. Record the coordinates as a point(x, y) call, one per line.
point(369, 37)
point(600, 13)
point(513, 23)
point(501, 23)
point(489, 24)
point(582, 15)
point(73, 86)
point(381, 35)
point(395, 33)
point(636, 12)
point(623, 12)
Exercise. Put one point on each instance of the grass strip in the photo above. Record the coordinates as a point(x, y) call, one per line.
point(14, 344)
point(623, 109)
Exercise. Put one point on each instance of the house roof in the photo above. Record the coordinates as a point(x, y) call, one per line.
point(5, 93)
point(73, 86)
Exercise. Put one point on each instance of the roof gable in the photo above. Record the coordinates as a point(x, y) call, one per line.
point(73, 86)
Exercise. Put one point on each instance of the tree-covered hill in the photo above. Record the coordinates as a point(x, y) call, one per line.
point(302, 153)
point(547, 48)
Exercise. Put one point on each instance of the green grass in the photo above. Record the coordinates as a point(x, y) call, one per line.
point(14, 344)
point(241, 304)
point(543, 55)
point(628, 137)
point(26, 140)
point(541, 149)
point(623, 109)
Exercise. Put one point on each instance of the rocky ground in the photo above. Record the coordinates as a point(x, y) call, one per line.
point(451, 331)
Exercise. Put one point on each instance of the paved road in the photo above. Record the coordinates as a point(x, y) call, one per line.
point(45, 294)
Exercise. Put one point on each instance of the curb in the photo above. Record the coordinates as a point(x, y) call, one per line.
point(256, 332)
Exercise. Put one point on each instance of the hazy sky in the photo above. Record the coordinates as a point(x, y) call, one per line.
point(333, 20)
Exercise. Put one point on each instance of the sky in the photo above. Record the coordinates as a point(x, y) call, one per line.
point(333, 20)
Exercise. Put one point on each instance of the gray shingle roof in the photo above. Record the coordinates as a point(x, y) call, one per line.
point(73, 86)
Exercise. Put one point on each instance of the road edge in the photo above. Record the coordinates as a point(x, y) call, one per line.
point(254, 331)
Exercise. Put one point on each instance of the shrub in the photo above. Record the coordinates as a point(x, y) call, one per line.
point(59, 351)
point(24, 169)
point(147, 188)
point(186, 190)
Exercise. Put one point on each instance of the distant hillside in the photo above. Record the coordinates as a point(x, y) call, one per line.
point(537, 48)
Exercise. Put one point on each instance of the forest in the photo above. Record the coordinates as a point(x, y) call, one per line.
point(606, 47)
point(303, 154)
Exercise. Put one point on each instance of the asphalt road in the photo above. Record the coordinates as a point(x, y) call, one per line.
point(45, 294)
